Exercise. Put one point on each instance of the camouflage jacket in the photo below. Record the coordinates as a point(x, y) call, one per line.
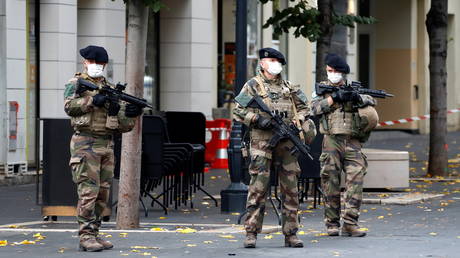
point(85, 117)
point(279, 95)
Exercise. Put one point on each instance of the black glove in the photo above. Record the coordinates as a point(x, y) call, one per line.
point(339, 96)
point(79, 90)
point(354, 97)
point(114, 108)
point(133, 110)
point(99, 100)
point(264, 123)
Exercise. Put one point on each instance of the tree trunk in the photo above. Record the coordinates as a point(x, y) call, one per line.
point(324, 41)
point(436, 23)
point(130, 170)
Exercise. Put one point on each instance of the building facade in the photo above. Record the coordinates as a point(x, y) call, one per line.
point(190, 57)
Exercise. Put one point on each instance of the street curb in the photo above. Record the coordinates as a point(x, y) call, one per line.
point(403, 200)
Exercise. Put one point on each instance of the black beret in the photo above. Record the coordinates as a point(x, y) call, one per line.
point(269, 52)
point(338, 63)
point(96, 53)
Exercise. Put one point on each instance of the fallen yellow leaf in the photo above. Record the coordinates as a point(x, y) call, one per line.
point(186, 230)
point(191, 245)
point(135, 251)
point(363, 229)
point(301, 232)
point(123, 234)
point(213, 177)
point(158, 229)
point(268, 237)
point(235, 213)
point(145, 253)
point(314, 241)
point(61, 250)
point(138, 247)
point(277, 233)
point(162, 218)
point(433, 234)
point(3, 242)
point(364, 210)
point(321, 234)
point(380, 217)
point(26, 242)
point(226, 236)
point(207, 242)
point(13, 226)
point(108, 236)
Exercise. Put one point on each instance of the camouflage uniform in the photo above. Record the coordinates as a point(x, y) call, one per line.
point(279, 95)
point(344, 133)
point(91, 149)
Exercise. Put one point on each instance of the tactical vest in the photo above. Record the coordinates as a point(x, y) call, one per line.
point(95, 122)
point(342, 120)
point(278, 98)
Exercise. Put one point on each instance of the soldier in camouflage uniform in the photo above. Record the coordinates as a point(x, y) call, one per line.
point(346, 119)
point(281, 97)
point(95, 119)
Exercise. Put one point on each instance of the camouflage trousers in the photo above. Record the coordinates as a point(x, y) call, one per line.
point(288, 169)
point(92, 164)
point(342, 153)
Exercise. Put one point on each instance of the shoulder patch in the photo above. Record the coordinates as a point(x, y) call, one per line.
point(252, 82)
point(69, 90)
point(243, 99)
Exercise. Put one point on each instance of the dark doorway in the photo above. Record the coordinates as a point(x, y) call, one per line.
point(364, 59)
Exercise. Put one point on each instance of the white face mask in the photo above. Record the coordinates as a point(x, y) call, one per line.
point(95, 70)
point(334, 77)
point(274, 68)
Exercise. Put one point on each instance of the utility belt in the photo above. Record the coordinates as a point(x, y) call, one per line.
point(89, 134)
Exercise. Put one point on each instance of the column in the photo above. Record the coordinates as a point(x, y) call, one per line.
point(188, 56)
point(58, 48)
point(3, 114)
point(16, 75)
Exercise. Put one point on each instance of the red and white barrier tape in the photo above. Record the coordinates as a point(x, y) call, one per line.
point(414, 118)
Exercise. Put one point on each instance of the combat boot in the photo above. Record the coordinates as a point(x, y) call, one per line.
point(333, 231)
point(250, 241)
point(352, 231)
point(90, 244)
point(292, 241)
point(106, 244)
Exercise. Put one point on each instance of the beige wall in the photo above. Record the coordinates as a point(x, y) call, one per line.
point(396, 59)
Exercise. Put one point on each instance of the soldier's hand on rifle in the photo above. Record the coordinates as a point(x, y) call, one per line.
point(99, 100)
point(264, 123)
point(133, 110)
point(79, 90)
point(114, 108)
point(355, 97)
point(340, 96)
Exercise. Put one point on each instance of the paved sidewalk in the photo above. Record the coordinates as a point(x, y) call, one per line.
point(429, 228)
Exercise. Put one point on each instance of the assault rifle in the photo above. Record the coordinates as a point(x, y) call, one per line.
point(354, 86)
point(281, 129)
point(114, 94)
